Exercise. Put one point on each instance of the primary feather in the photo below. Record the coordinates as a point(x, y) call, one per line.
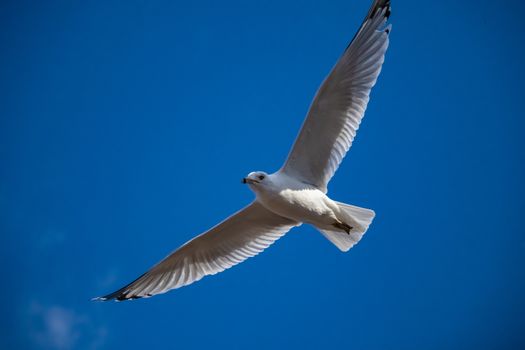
point(241, 236)
point(340, 103)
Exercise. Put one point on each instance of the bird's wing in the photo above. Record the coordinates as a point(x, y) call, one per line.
point(340, 103)
point(241, 236)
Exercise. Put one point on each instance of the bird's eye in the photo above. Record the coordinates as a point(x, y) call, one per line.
point(261, 177)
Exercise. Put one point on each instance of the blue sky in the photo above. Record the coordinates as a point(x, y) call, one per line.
point(125, 128)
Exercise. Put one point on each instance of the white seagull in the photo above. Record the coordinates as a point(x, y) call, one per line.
point(296, 193)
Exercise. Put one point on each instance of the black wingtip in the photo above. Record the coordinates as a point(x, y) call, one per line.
point(122, 294)
point(125, 297)
point(379, 5)
point(388, 9)
point(117, 297)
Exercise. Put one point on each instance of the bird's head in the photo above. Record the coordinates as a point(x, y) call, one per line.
point(256, 178)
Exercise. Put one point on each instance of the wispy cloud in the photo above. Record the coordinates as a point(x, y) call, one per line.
point(61, 328)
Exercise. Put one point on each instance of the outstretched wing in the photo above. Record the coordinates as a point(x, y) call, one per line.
point(241, 236)
point(340, 103)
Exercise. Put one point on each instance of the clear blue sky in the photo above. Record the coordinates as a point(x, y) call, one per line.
point(125, 128)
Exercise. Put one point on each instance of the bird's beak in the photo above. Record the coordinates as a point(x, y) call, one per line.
point(246, 180)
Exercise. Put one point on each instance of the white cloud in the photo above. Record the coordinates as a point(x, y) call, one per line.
point(60, 328)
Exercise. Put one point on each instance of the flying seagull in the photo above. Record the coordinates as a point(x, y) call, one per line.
point(296, 193)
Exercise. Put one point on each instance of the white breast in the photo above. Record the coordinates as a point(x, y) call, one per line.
point(295, 200)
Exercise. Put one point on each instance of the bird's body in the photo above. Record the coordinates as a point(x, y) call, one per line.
point(295, 200)
point(296, 193)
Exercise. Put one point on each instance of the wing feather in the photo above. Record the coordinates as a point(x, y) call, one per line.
point(241, 236)
point(340, 103)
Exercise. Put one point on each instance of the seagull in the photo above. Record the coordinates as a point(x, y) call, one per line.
point(296, 193)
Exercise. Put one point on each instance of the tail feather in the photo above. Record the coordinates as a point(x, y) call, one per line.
point(358, 218)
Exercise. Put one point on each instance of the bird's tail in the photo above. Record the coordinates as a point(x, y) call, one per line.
point(358, 218)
